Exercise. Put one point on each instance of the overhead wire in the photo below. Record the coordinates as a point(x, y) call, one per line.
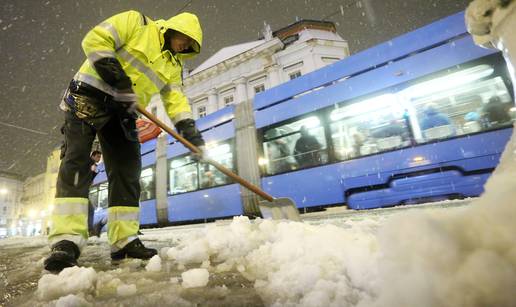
point(23, 128)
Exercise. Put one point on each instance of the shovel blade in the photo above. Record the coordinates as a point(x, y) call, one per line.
point(279, 209)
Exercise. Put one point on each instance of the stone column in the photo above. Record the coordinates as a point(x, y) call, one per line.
point(241, 90)
point(247, 154)
point(274, 75)
point(161, 180)
point(213, 101)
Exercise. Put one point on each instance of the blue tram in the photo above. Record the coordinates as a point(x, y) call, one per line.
point(422, 117)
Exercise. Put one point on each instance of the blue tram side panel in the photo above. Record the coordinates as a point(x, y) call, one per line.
point(421, 167)
point(369, 114)
point(191, 197)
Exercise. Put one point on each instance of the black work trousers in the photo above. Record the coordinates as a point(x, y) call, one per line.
point(121, 154)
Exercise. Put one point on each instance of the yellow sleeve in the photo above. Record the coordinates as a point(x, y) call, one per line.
point(175, 103)
point(110, 35)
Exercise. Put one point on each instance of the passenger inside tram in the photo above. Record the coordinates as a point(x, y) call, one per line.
point(497, 113)
point(436, 124)
point(306, 150)
point(279, 154)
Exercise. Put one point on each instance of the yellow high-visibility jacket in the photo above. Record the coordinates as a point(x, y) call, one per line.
point(137, 42)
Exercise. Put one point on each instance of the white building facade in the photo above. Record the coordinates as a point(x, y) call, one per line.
point(236, 73)
point(11, 189)
point(34, 200)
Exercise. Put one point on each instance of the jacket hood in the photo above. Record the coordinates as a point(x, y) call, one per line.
point(186, 23)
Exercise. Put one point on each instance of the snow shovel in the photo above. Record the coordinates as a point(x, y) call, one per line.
point(270, 207)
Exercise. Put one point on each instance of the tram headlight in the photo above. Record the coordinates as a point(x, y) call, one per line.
point(418, 159)
point(32, 214)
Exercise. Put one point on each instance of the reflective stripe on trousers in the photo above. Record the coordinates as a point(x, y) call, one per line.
point(69, 217)
point(123, 222)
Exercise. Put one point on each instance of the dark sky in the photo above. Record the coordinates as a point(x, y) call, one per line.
point(40, 49)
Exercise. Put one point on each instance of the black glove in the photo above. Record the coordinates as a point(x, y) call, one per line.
point(187, 129)
point(110, 70)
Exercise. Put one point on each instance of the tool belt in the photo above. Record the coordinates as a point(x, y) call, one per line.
point(96, 108)
point(86, 101)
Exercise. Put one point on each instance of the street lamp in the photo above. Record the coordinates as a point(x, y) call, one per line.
point(32, 214)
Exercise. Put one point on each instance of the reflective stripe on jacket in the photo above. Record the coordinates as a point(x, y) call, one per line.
point(137, 43)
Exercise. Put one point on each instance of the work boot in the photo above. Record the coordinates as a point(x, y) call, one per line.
point(134, 249)
point(64, 254)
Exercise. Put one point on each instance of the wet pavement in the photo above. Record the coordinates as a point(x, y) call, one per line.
point(21, 268)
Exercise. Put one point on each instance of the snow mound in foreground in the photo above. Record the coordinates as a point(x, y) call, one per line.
point(195, 278)
point(154, 264)
point(454, 258)
point(287, 261)
point(72, 300)
point(69, 281)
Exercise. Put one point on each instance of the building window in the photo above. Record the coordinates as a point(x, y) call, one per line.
point(201, 111)
point(147, 185)
point(228, 100)
point(294, 70)
point(295, 145)
point(187, 174)
point(259, 88)
point(103, 195)
point(257, 85)
point(329, 60)
point(295, 74)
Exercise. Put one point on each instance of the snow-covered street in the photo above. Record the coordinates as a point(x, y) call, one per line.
point(329, 258)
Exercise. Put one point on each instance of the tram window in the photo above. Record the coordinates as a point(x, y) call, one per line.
point(209, 175)
point(369, 126)
point(93, 196)
point(103, 195)
point(183, 175)
point(467, 101)
point(294, 145)
point(147, 185)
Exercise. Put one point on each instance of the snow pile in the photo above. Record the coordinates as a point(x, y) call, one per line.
point(195, 278)
point(154, 264)
point(289, 262)
point(72, 280)
point(308, 265)
point(455, 258)
point(72, 300)
point(126, 290)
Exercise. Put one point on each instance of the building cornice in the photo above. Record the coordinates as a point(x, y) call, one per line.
point(266, 49)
